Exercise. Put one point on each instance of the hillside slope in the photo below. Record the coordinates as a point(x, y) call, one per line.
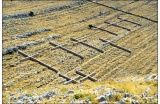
point(134, 23)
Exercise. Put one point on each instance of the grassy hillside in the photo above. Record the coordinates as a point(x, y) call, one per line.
point(57, 22)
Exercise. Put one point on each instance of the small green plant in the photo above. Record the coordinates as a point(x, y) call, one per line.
point(78, 96)
point(29, 95)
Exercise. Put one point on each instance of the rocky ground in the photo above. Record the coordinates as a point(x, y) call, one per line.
point(133, 90)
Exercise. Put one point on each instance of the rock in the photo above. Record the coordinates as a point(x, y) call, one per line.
point(88, 101)
point(148, 89)
point(136, 97)
point(12, 99)
point(127, 95)
point(72, 101)
point(22, 96)
point(156, 78)
point(152, 76)
point(70, 92)
point(122, 101)
point(19, 102)
point(11, 50)
point(134, 102)
point(121, 91)
point(101, 98)
point(144, 95)
point(65, 95)
point(49, 94)
point(95, 92)
point(108, 95)
point(35, 98)
point(104, 102)
point(156, 95)
point(146, 77)
point(79, 101)
point(40, 98)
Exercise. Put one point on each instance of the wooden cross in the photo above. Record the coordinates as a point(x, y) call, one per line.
point(115, 45)
point(69, 80)
point(91, 26)
point(33, 59)
point(89, 76)
point(69, 51)
point(129, 21)
point(87, 45)
point(117, 26)
point(27, 57)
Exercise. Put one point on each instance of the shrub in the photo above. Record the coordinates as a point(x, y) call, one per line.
point(31, 13)
point(78, 96)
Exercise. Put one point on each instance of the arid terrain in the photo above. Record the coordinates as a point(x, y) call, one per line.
point(80, 51)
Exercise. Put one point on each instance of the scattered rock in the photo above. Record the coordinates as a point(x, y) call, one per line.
point(20, 15)
point(72, 101)
point(144, 95)
point(104, 102)
point(147, 90)
point(12, 99)
point(19, 102)
point(65, 95)
point(101, 98)
point(24, 46)
point(48, 94)
point(88, 101)
point(70, 92)
point(127, 95)
point(156, 78)
point(134, 102)
point(152, 76)
point(108, 95)
point(120, 91)
point(26, 35)
point(136, 97)
point(122, 101)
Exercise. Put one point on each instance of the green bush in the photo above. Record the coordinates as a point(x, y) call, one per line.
point(78, 96)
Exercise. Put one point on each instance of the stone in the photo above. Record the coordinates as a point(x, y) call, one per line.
point(156, 78)
point(122, 101)
point(134, 102)
point(127, 95)
point(21, 97)
point(49, 94)
point(101, 98)
point(121, 91)
point(136, 97)
point(88, 101)
point(103, 102)
point(19, 102)
point(72, 101)
point(108, 95)
point(70, 92)
point(152, 76)
point(148, 89)
point(65, 95)
point(12, 99)
point(144, 95)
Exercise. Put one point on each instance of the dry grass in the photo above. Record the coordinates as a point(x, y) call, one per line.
point(111, 64)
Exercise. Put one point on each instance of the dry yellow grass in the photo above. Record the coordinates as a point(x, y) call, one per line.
point(113, 63)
